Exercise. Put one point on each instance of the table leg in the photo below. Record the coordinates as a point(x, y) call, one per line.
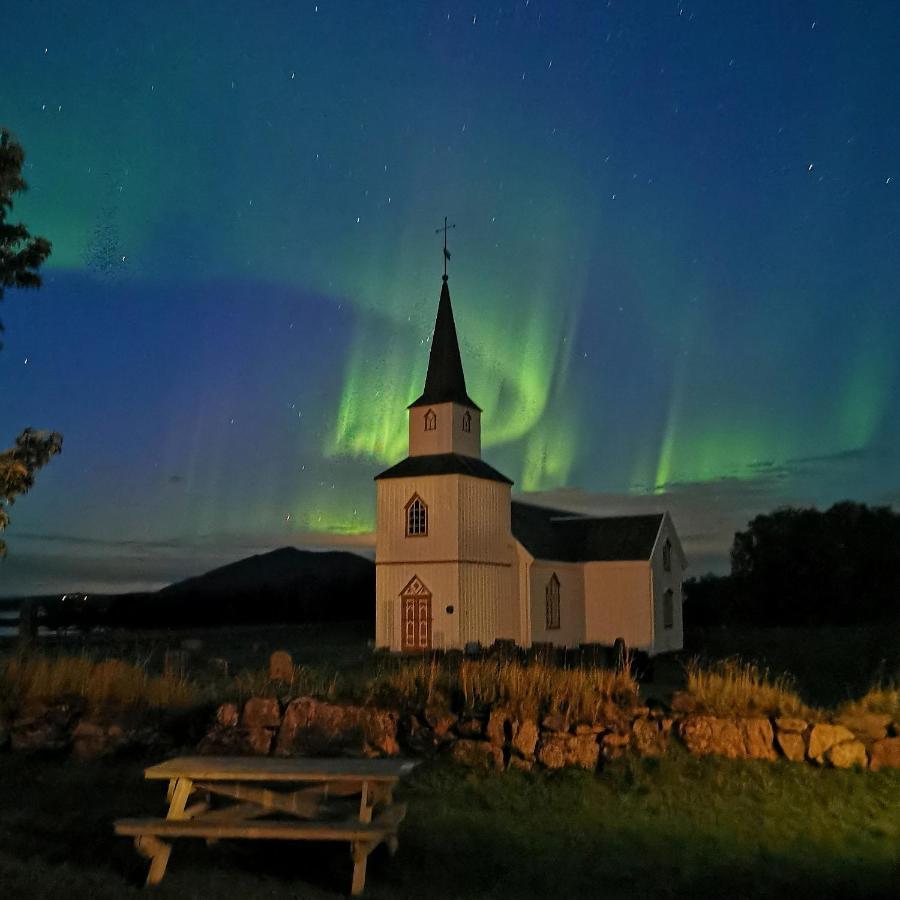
point(157, 852)
point(180, 794)
point(366, 803)
point(360, 851)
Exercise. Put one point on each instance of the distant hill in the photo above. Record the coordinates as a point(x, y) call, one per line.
point(284, 585)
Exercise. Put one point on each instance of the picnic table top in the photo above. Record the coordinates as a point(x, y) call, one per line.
point(267, 768)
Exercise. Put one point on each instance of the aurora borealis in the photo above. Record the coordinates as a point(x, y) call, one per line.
point(676, 271)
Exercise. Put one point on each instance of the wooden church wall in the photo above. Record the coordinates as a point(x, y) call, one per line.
point(571, 603)
point(448, 435)
point(666, 639)
point(618, 603)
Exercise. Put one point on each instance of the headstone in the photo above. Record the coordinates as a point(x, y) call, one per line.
point(175, 664)
point(281, 666)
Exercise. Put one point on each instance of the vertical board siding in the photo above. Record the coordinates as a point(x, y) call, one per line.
point(618, 603)
point(467, 559)
point(667, 639)
point(440, 495)
point(484, 522)
point(442, 582)
point(448, 435)
point(571, 603)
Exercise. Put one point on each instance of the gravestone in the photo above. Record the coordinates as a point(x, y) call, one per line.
point(281, 666)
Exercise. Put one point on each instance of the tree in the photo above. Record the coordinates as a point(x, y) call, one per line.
point(18, 465)
point(806, 567)
point(21, 255)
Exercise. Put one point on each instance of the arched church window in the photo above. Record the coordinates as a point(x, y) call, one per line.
point(416, 518)
point(668, 609)
point(430, 420)
point(467, 421)
point(552, 602)
point(667, 555)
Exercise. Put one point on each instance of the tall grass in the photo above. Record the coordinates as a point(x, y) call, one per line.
point(110, 682)
point(304, 681)
point(879, 699)
point(534, 688)
point(735, 688)
point(531, 689)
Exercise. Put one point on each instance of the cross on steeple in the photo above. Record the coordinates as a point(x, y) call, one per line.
point(445, 228)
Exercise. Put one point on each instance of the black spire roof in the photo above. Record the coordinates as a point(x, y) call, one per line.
point(445, 381)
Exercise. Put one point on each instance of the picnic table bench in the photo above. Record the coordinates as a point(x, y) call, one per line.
point(316, 799)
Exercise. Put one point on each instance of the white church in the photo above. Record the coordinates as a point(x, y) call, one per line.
point(459, 561)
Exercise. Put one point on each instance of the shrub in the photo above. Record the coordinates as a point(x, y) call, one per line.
point(878, 699)
point(735, 688)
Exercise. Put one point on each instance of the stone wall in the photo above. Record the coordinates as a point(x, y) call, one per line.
point(499, 738)
point(496, 738)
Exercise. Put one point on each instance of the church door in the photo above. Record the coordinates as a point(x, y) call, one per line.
point(416, 613)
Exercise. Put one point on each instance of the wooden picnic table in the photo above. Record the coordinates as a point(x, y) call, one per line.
point(286, 799)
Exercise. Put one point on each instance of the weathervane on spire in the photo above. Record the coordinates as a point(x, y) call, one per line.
point(445, 228)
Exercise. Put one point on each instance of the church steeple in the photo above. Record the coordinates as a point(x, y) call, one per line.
point(445, 381)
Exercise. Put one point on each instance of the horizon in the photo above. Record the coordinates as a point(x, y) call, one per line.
point(673, 274)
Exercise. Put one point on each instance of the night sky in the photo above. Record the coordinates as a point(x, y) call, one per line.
point(675, 269)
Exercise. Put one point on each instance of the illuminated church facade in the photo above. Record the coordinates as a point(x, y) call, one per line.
point(458, 561)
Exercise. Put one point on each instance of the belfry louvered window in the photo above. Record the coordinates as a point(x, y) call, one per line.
point(430, 420)
point(467, 421)
point(552, 602)
point(416, 518)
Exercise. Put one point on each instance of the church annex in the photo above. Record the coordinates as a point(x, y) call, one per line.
point(458, 561)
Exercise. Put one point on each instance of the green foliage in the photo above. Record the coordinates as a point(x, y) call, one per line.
point(32, 450)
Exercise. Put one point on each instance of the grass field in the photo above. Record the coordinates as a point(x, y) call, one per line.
point(677, 827)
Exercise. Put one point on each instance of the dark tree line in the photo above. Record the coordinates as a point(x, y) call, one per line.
point(806, 567)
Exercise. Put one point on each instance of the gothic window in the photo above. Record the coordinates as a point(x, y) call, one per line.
point(668, 609)
point(430, 420)
point(667, 555)
point(467, 421)
point(416, 518)
point(552, 602)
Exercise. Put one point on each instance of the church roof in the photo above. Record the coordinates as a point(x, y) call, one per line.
point(571, 537)
point(445, 381)
point(443, 464)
